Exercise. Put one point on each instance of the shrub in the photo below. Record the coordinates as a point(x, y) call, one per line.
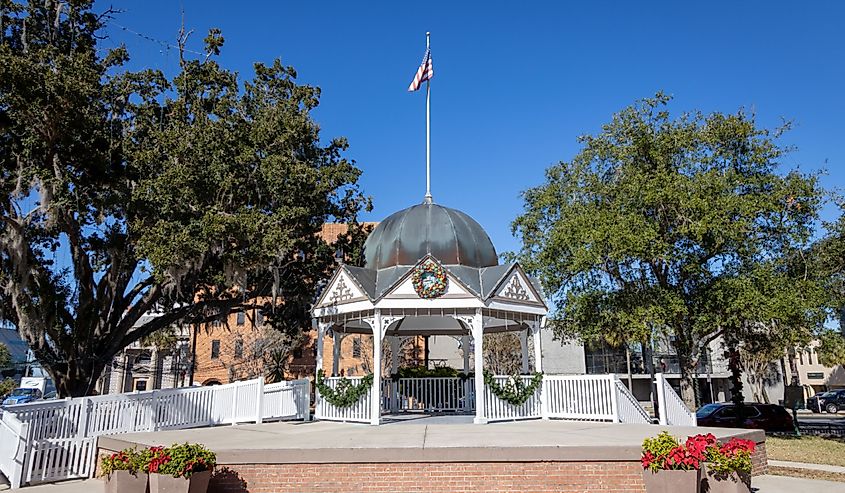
point(733, 456)
point(666, 452)
point(7, 386)
point(180, 460)
point(128, 459)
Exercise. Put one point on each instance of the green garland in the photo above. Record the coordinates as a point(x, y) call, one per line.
point(514, 392)
point(346, 393)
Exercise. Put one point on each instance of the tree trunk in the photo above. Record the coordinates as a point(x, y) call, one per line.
point(76, 380)
point(687, 388)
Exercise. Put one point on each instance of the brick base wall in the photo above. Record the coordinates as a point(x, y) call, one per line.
point(759, 460)
point(437, 477)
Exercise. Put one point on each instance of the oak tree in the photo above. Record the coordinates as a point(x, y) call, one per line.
point(659, 224)
point(126, 192)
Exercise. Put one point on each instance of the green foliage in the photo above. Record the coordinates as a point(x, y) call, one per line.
point(181, 460)
point(515, 391)
point(5, 356)
point(6, 386)
point(346, 393)
point(129, 459)
point(200, 193)
point(163, 339)
point(725, 464)
point(423, 372)
point(831, 350)
point(680, 226)
point(659, 447)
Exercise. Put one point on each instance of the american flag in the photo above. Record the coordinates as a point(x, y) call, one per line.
point(424, 73)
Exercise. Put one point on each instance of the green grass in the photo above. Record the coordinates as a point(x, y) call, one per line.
point(814, 450)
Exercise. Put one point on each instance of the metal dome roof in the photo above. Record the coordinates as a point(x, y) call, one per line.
point(449, 235)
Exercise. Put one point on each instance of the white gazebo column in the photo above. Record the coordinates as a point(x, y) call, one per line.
point(535, 328)
point(395, 343)
point(337, 341)
point(321, 329)
point(478, 340)
point(375, 392)
point(523, 346)
point(465, 351)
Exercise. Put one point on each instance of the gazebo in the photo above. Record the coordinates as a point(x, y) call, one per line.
point(430, 270)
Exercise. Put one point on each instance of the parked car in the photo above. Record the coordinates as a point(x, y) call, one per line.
point(831, 401)
point(22, 396)
point(768, 417)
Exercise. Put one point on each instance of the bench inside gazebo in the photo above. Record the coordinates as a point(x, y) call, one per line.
point(432, 270)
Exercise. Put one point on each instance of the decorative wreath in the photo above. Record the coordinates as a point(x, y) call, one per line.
point(346, 393)
point(429, 279)
point(515, 391)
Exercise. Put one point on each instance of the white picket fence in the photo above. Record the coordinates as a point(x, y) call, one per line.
point(437, 394)
point(574, 397)
point(628, 407)
point(496, 409)
point(52, 440)
point(358, 412)
point(672, 410)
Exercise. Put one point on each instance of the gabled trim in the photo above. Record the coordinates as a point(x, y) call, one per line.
point(341, 271)
point(407, 275)
point(524, 280)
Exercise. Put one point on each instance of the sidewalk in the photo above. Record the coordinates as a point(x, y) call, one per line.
point(760, 484)
point(804, 465)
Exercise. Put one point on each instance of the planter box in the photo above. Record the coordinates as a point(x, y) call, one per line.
point(163, 483)
point(713, 482)
point(671, 481)
point(126, 482)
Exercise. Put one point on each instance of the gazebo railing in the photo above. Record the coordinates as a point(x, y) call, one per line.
point(571, 397)
point(581, 397)
point(358, 412)
point(498, 410)
point(434, 394)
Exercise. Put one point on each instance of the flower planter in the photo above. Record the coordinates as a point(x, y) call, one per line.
point(163, 483)
point(714, 482)
point(671, 481)
point(126, 482)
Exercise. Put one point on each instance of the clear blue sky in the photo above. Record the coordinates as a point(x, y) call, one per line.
point(516, 82)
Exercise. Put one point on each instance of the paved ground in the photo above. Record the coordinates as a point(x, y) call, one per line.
point(324, 441)
point(783, 484)
point(760, 484)
point(803, 465)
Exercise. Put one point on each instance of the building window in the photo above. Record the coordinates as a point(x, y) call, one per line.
point(239, 348)
point(215, 349)
point(140, 385)
point(297, 353)
point(815, 375)
point(241, 317)
point(356, 347)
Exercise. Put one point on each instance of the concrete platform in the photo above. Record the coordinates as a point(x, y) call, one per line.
point(326, 442)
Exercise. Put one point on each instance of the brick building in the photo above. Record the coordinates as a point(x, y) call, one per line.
point(238, 346)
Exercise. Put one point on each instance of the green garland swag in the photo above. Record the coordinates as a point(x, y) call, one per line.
point(346, 393)
point(514, 392)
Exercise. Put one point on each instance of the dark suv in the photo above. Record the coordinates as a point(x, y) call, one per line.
point(768, 417)
point(831, 401)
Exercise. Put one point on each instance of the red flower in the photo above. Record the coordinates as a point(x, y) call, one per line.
point(647, 459)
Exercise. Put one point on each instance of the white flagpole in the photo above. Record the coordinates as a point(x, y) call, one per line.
point(428, 128)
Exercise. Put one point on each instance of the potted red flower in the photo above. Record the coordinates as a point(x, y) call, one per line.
point(125, 471)
point(670, 466)
point(182, 468)
point(727, 468)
